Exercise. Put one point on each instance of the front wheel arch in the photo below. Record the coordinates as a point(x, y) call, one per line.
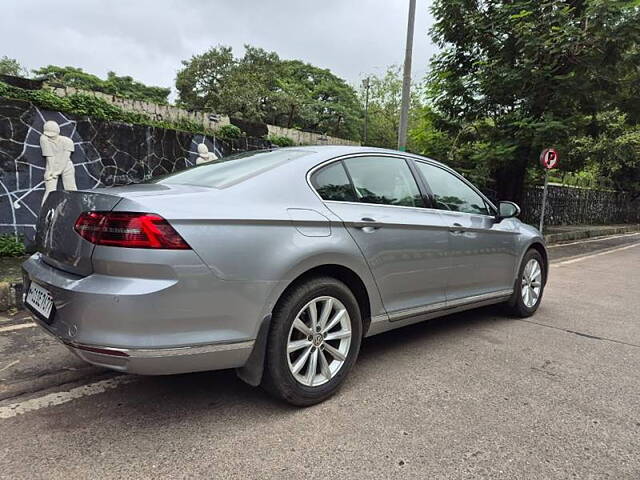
point(540, 248)
point(514, 305)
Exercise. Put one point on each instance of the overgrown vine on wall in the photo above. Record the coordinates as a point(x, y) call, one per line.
point(83, 104)
point(281, 140)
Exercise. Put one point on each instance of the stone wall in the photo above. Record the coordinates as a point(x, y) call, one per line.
point(207, 119)
point(105, 153)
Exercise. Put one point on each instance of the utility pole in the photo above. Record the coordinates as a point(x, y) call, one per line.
point(366, 83)
point(406, 81)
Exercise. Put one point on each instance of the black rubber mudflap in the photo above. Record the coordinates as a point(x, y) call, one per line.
point(251, 372)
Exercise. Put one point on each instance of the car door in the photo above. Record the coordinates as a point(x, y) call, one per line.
point(378, 199)
point(482, 251)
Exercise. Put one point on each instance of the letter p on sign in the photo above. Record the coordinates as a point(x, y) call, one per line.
point(549, 158)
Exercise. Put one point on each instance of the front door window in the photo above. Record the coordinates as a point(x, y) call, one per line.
point(451, 193)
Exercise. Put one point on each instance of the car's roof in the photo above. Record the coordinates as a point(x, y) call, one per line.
point(325, 152)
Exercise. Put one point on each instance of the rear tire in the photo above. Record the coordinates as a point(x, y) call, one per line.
point(307, 362)
point(529, 286)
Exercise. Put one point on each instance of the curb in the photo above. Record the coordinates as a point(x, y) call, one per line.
point(554, 238)
point(11, 293)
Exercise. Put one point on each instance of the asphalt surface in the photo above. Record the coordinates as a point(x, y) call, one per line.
point(474, 395)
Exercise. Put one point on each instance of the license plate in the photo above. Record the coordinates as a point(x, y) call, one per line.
point(40, 300)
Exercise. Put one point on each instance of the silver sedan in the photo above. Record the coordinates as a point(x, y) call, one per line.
point(276, 263)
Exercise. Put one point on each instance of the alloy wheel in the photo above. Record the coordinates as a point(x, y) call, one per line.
point(319, 341)
point(531, 283)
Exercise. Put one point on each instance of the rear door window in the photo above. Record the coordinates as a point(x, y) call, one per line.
point(384, 181)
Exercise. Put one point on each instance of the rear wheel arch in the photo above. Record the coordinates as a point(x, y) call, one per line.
point(253, 370)
point(347, 276)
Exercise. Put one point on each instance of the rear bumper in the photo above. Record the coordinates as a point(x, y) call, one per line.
point(187, 321)
point(159, 361)
point(165, 361)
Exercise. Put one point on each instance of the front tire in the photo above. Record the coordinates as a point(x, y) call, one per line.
point(529, 285)
point(314, 341)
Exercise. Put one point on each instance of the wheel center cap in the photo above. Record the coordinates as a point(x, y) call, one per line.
point(317, 340)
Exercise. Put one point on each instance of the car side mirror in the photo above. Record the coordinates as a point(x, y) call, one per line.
point(507, 210)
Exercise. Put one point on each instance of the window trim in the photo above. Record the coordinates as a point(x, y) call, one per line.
point(347, 174)
point(492, 208)
point(423, 188)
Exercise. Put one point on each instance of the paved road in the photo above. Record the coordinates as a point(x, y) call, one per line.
point(469, 395)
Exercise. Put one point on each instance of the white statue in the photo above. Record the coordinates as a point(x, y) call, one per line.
point(57, 150)
point(204, 155)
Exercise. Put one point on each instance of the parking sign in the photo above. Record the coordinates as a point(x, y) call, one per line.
point(549, 158)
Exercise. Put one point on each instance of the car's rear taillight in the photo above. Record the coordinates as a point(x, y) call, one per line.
point(129, 230)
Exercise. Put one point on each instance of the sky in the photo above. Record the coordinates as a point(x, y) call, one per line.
point(148, 39)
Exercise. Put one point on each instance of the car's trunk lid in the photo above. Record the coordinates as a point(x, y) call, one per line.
point(60, 245)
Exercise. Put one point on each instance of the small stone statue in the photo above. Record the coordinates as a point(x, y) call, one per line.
point(204, 155)
point(57, 150)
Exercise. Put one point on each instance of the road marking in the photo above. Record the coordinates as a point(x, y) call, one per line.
point(585, 257)
point(58, 398)
point(20, 326)
point(598, 239)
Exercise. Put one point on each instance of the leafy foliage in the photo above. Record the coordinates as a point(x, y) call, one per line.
point(200, 82)
point(10, 66)
point(125, 86)
point(11, 246)
point(613, 155)
point(429, 135)
point(281, 140)
point(515, 76)
point(229, 131)
point(262, 87)
point(385, 97)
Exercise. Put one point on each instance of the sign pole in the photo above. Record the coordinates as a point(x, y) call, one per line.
point(544, 198)
point(548, 159)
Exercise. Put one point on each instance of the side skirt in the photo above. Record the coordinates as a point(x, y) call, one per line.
point(381, 323)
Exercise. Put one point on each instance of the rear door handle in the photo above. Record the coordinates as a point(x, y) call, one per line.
point(457, 231)
point(367, 224)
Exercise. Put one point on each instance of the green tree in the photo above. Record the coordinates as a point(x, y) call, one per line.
point(125, 86)
point(200, 81)
point(334, 107)
point(248, 89)
point(260, 86)
point(430, 135)
point(385, 97)
point(10, 66)
point(613, 154)
point(530, 74)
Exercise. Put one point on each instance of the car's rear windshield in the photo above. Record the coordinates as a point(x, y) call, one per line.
point(232, 169)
